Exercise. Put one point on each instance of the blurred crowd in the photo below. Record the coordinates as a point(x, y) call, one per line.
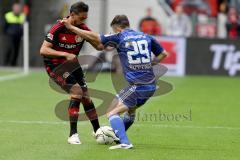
point(197, 18)
point(188, 18)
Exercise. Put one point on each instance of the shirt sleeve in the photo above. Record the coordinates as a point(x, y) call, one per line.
point(110, 40)
point(156, 47)
point(52, 35)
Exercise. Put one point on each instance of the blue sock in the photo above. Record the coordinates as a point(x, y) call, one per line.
point(119, 128)
point(128, 120)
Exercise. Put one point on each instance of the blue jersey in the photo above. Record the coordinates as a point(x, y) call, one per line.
point(134, 49)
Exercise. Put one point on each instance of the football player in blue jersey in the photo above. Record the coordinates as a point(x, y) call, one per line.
point(134, 49)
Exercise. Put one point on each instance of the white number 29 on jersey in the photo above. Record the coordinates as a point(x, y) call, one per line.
point(141, 54)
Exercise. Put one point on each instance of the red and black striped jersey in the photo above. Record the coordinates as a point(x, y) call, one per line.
point(63, 40)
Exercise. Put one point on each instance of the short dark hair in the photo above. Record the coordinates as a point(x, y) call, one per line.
point(121, 21)
point(79, 7)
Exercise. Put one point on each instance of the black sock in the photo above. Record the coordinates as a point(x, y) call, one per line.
point(91, 113)
point(73, 115)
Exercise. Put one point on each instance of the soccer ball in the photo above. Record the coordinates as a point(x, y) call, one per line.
point(105, 135)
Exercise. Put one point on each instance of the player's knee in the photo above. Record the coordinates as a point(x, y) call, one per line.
point(76, 96)
point(76, 92)
point(109, 115)
point(112, 113)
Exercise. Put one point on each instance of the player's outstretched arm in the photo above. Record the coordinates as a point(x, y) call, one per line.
point(91, 37)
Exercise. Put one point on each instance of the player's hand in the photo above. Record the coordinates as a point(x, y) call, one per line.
point(70, 56)
point(66, 23)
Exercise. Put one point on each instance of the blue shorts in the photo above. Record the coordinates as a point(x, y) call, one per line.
point(134, 96)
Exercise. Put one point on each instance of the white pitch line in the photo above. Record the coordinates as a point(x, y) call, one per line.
point(193, 127)
point(157, 125)
point(12, 77)
point(40, 122)
point(34, 122)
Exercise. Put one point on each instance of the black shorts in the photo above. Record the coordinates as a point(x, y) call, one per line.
point(66, 75)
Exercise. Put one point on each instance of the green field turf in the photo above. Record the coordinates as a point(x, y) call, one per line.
point(7, 73)
point(28, 130)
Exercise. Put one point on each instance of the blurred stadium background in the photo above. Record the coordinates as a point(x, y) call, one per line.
point(212, 25)
point(202, 37)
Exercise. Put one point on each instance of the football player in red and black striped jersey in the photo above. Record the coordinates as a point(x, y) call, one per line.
point(60, 47)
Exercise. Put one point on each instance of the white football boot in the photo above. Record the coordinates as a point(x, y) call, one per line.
point(74, 139)
point(121, 146)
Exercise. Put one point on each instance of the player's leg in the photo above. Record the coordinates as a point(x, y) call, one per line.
point(90, 110)
point(73, 110)
point(88, 104)
point(129, 118)
point(117, 123)
point(124, 102)
point(143, 93)
point(130, 99)
point(70, 85)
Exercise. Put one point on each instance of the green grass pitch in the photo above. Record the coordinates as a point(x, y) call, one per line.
point(28, 130)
